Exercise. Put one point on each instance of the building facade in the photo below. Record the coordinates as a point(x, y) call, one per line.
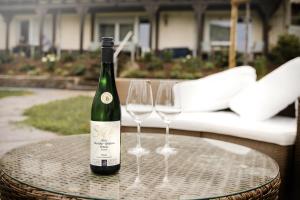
point(199, 25)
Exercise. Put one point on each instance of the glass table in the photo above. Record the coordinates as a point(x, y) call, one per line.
point(202, 169)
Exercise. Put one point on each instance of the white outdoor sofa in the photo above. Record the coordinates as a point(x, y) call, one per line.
point(278, 137)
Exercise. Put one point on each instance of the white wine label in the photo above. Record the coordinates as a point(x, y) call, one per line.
point(105, 143)
point(106, 97)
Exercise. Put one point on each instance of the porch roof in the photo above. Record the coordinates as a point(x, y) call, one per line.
point(266, 7)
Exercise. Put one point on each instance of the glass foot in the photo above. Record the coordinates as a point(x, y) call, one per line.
point(166, 150)
point(138, 151)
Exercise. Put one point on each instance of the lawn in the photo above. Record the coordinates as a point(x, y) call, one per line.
point(8, 93)
point(67, 117)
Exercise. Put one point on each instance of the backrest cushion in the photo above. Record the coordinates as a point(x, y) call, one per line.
point(214, 92)
point(271, 94)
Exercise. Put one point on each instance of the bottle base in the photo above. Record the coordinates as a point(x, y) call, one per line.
point(109, 170)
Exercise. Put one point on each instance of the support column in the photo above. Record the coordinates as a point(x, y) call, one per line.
point(81, 10)
point(234, 18)
point(54, 28)
point(93, 27)
point(7, 19)
point(41, 12)
point(232, 48)
point(199, 9)
point(152, 10)
point(157, 18)
point(265, 34)
point(288, 15)
point(247, 22)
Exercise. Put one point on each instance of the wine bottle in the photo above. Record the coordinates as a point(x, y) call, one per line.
point(105, 144)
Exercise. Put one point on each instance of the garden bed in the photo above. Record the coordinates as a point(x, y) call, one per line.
point(39, 81)
point(159, 65)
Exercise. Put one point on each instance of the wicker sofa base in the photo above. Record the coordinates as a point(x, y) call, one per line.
point(13, 190)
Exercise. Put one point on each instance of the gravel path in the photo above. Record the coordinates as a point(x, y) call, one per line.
point(13, 135)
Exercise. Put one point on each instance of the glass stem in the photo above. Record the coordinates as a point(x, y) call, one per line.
point(167, 135)
point(166, 169)
point(138, 135)
point(138, 166)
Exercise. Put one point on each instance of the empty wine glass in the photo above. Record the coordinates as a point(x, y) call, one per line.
point(167, 107)
point(139, 105)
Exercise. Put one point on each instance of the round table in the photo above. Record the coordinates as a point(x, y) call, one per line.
point(201, 169)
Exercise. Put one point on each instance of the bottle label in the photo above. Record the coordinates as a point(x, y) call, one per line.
point(105, 143)
point(106, 97)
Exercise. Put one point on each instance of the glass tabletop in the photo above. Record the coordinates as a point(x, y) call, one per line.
point(201, 169)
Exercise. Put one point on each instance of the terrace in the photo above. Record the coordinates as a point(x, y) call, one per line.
point(217, 82)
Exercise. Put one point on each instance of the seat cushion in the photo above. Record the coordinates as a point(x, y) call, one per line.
point(214, 92)
point(277, 130)
point(271, 94)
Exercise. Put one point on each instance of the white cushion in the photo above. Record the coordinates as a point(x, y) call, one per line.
point(214, 92)
point(152, 121)
point(277, 130)
point(271, 94)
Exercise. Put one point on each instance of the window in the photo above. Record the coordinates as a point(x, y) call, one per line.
point(295, 14)
point(124, 29)
point(107, 30)
point(219, 31)
point(144, 34)
point(24, 32)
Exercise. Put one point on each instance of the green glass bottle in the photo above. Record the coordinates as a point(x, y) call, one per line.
point(105, 156)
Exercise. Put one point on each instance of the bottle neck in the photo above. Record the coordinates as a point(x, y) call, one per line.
point(107, 66)
point(107, 70)
point(107, 54)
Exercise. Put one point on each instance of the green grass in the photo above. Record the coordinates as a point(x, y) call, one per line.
point(68, 117)
point(8, 93)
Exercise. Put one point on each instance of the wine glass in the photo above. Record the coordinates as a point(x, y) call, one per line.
point(167, 107)
point(139, 105)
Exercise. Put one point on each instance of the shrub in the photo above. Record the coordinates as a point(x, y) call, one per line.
point(155, 64)
point(68, 57)
point(287, 48)
point(192, 63)
point(175, 74)
point(151, 62)
point(34, 72)
point(11, 72)
point(136, 73)
point(27, 67)
point(261, 66)
point(50, 61)
point(61, 72)
point(96, 65)
point(5, 58)
point(159, 74)
point(37, 55)
point(221, 58)
point(183, 75)
point(167, 55)
point(208, 65)
point(78, 70)
point(95, 54)
point(148, 57)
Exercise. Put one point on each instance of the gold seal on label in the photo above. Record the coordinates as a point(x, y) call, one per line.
point(106, 97)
